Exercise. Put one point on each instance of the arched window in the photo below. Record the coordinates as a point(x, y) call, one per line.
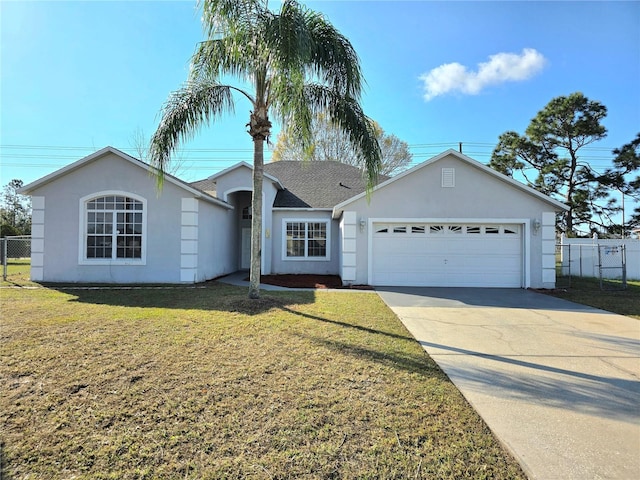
point(113, 229)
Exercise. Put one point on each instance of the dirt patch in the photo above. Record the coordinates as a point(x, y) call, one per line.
point(309, 281)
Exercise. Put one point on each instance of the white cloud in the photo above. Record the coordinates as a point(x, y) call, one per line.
point(501, 67)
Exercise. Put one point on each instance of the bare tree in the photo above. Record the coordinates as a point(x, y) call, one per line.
point(329, 143)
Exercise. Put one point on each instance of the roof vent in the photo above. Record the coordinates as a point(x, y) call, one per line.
point(448, 177)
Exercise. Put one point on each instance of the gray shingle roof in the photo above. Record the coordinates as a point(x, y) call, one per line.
point(316, 184)
point(206, 185)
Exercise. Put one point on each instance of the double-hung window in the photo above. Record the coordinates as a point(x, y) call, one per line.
point(113, 229)
point(306, 240)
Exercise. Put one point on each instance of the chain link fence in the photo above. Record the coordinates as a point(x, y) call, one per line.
point(612, 264)
point(15, 254)
point(605, 262)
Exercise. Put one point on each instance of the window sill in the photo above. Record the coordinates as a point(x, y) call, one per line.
point(112, 263)
point(307, 259)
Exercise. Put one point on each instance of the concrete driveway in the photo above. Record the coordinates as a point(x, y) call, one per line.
point(557, 382)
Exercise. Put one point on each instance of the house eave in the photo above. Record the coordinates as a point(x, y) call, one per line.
point(28, 189)
point(243, 164)
point(301, 209)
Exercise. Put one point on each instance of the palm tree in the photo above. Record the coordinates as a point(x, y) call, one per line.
point(292, 63)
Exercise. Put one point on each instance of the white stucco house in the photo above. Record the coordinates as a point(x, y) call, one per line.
point(449, 221)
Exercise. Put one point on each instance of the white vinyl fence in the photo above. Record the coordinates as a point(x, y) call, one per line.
point(592, 257)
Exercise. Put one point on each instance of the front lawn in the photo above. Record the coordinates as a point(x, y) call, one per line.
point(204, 383)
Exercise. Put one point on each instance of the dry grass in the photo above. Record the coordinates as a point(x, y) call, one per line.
point(587, 291)
point(203, 383)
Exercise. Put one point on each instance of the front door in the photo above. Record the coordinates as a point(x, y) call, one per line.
point(245, 249)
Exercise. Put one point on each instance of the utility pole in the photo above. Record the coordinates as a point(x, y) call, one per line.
point(623, 224)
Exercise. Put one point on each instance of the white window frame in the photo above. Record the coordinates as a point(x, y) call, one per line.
point(82, 233)
point(306, 221)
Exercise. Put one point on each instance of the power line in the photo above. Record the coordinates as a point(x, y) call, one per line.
point(214, 150)
point(216, 156)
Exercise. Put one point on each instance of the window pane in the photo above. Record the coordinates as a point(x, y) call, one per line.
point(317, 248)
point(317, 239)
point(129, 247)
point(295, 230)
point(98, 247)
point(317, 230)
point(295, 248)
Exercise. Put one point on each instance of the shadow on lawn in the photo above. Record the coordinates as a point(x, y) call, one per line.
point(212, 296)
point(226, 298)
point(3, 463)
point(412, 363)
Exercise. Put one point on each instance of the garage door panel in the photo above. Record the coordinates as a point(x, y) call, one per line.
point(455, 258)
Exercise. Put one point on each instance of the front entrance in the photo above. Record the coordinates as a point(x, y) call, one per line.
point(241, 200)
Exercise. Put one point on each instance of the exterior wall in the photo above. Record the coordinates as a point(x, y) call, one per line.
point(281, 265)
point(236, 180)
point(63, 213)
point(215, 242)
point(475, 196)
point(269, 227)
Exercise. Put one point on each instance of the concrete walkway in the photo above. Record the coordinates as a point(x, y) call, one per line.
point(239, 279)
point(558, 383)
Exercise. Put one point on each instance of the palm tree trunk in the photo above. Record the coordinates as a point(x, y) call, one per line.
point(256, 217)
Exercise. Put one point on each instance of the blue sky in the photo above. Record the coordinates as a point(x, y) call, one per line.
point(77, 76)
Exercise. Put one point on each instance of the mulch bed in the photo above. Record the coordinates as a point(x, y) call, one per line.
point(309, 281)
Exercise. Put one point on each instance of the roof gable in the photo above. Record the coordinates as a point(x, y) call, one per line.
point(28, 189)
point(473, 163)
point(213, 178)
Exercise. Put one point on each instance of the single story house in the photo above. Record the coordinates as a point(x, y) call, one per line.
point(449, 221)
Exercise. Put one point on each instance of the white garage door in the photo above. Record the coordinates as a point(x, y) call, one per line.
point(447, 255)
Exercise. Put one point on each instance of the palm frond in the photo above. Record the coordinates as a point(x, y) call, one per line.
point(186, 110)
point(222, 17)
point(300, 39)
point(343, 111)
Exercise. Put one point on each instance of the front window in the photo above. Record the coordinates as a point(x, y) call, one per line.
point(306, 240)
point(113, 228)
